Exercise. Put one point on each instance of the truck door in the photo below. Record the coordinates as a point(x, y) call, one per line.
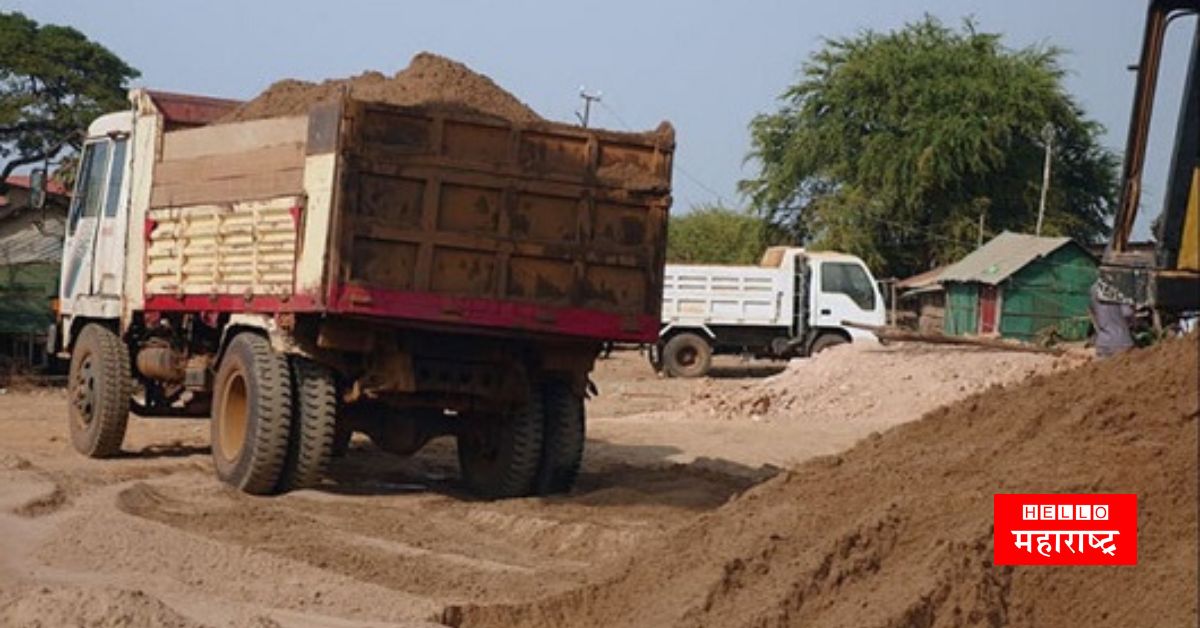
point(846, 292)
point(83, 222)
point(108, 268)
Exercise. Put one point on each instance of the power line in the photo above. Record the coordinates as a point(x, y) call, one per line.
point(927, 232)
point(687, 175)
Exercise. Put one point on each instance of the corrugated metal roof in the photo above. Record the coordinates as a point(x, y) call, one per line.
point(926, 279)
point(23, 242)
point(1001, 257)
point(53, 186)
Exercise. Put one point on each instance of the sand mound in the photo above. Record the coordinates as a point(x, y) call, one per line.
point(897, 531)
point(429, 80)
point(872, 383)
point(96, 607)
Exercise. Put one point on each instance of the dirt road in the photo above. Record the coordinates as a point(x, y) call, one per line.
point(152, 539)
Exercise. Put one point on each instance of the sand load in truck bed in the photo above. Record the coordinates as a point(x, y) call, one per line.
point(434, 197)
point(429, 80)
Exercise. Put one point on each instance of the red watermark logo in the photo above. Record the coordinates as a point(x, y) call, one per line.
point(1047, 529)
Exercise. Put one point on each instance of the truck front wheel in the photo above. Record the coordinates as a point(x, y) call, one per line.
point(99, 389)
point(251, 415)
point(499, 455)
point(687, 355)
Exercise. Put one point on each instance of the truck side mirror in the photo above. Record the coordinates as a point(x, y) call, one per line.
point(37, 188)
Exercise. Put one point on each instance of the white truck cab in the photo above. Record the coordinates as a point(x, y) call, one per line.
point(94, 250)
point(793, 304)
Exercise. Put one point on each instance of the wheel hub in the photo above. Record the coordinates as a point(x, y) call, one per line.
point(234, 417)
point(84, 392)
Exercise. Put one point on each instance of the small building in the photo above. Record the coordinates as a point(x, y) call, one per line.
point(922, 302)
point(1021, 286)
point(31, 242)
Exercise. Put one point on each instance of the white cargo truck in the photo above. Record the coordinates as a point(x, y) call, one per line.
point(406, 272)
point(791, 305)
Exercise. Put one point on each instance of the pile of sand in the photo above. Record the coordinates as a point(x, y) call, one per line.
point(429, 80)
point(897, 531)
point(872, 384)
point(98, 607)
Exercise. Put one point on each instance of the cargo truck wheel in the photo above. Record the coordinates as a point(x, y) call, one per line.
point(342, 434)
point(687, 355)
point(314, 425)
point(562, 446)
point(98, 390)
point(499, 456)
point(251, 415)
point(825, 341)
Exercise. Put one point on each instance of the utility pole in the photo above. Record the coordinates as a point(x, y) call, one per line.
point(1048, 140)
point(979, 241)
point(588, 99)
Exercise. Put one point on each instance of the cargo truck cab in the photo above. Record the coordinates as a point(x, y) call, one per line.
point(94, 249)
point(793, 304)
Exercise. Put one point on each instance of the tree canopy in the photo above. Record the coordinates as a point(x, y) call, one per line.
point(892, 146)
point(53, 82)
point(712, 234)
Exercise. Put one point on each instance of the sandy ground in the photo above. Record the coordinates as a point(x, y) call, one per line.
point(152, 539)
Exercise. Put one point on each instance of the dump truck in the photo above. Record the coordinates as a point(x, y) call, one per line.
point(793, 304)
point(1161, 287)
point(407, 272)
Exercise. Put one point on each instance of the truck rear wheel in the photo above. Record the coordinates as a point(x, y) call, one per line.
point(99, 389)
point(342, 434)
point(687, 355)
point(499, 456)
point(562, 447)
point(251, 415)
point(314, 425)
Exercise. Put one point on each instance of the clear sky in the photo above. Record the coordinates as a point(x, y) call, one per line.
point(706, 66)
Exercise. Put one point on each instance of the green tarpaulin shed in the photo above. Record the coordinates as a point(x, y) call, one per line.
point(25, 293)
point(1021, 286)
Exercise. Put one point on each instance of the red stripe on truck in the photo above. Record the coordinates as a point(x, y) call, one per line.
point(496, 313)
point(430, 307)
point(228, 303)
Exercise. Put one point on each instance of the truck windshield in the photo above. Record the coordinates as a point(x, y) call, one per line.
point(850, 280)
point(90, 189)
point(115, 178)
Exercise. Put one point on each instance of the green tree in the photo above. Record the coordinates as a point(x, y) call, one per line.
point(716, 235)
point(892, 146)
point(53, 82)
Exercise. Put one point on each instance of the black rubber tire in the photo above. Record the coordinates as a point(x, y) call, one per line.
point(99, 386)
point(825, 341)
point(314, 425)
point(687, 355)
point(562, 445)
point(499, 456)
point(251, 371)
point(342, 435)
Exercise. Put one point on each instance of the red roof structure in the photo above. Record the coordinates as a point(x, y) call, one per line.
point(190, 110)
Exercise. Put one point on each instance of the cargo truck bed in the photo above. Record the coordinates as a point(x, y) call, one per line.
point(427, 215)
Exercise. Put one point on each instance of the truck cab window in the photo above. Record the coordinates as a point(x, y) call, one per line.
point(850, 280)
point(115, 177)
point(90, 189)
